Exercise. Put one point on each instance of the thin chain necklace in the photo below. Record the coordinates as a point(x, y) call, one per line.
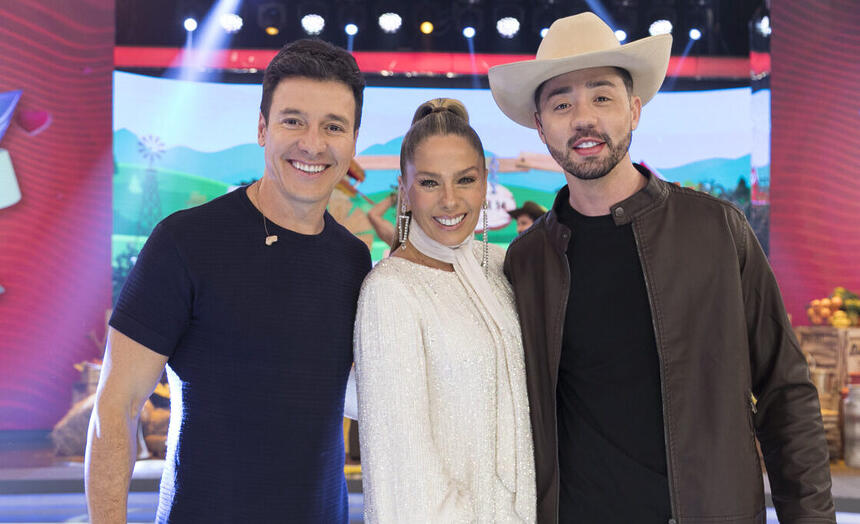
point(270, 239)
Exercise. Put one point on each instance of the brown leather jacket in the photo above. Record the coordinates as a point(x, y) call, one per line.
point(722, 335)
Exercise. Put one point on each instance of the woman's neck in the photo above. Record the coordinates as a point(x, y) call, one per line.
point(412, 254)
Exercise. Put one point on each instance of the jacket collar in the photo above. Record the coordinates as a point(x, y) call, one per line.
point(624, 212)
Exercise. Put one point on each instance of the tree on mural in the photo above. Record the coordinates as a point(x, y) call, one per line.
point(151, 148)
point(123, 262)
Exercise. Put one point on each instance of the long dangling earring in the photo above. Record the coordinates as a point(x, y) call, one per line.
point(403, 220)
point(485, 256)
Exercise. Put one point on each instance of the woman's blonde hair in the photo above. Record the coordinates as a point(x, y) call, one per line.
point(437, 117)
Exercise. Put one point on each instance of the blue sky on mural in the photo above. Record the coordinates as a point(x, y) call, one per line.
point(689, 134)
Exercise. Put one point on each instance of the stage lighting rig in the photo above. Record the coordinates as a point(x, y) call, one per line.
point(427, 18)
point(509, 18)
point(661, 26)
point(230, 22)
point(542, 16)
point(389, 15)
point(271, 17)
point(662, 17)
point(312, 16)
point(763, 26)
point(470, 21)
point(191, 13)
point(390, 22)
point(699, 22)
point(351, 17)
point(624, 14)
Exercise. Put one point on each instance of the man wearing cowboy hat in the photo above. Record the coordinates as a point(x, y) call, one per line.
point(657, 345)
point(526, 215)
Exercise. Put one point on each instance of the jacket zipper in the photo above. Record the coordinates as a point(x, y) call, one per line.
point(669, 468)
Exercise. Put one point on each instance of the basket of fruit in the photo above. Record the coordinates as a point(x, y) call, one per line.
point(840, 309)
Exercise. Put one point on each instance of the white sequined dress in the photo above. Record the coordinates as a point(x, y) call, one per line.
point(428, 380)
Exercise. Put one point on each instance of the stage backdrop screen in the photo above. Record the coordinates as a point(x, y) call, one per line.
point(179, 143)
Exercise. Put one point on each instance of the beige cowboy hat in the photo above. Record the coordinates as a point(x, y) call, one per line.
point(573, 43)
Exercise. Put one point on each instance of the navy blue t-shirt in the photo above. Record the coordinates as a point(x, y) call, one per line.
point(259, 340)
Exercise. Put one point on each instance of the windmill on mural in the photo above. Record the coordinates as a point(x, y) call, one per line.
point(151, 148)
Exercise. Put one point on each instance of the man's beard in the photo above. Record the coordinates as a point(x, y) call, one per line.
point(591, 168)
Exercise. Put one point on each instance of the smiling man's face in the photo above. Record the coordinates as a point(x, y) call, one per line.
point(586, 119)
point(309, 139)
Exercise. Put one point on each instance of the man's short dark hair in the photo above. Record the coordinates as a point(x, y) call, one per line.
point(316, 59)
point(623, 73)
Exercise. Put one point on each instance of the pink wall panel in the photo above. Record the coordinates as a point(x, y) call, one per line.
point(815, 182)
point(55, 242)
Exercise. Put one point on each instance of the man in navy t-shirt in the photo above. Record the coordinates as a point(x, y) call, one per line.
point(249, 300)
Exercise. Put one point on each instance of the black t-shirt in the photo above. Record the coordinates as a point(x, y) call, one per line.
point(610, 421)
point(259, 340)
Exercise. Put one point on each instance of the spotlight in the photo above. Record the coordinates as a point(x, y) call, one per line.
point(660, 27)
point(230, 22)
point(426, 27)
point(469, 19)
point(271, 17)
point(508, 26)
point(313, 24)
point(695, 34)
point(390, 22)
point(190, 24)
point(352, 18)
point(763, 26)
point(543, 16)
point(625, 14)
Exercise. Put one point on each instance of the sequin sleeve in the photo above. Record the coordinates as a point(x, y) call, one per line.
point(403, 474)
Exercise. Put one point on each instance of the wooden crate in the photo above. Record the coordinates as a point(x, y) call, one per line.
point(824, 349)
point(851, 343)
point(832, 353)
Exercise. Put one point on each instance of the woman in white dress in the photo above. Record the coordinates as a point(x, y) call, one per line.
point(442, 402)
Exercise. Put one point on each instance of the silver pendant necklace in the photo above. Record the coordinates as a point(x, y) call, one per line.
point(270, 239)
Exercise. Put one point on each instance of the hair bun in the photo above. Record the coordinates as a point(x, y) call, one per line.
point(441, 105)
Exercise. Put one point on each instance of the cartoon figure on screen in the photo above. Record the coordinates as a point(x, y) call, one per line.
point(443, 414)
point(10, 193)
point(526, 215)
point(656, 343)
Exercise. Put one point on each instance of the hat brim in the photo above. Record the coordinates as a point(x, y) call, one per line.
point(513, 85)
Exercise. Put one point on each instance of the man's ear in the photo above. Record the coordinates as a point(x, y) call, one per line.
point(261, 131)
point(636, 110)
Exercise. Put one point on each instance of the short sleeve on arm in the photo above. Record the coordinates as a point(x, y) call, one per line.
point(154, 306)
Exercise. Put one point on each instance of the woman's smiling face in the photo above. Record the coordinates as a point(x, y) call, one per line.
point(446, 184)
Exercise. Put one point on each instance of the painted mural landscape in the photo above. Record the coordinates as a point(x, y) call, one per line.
point(152, 181)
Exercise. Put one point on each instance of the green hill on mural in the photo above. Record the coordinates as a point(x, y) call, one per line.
point(230, 166)
point(723, 171)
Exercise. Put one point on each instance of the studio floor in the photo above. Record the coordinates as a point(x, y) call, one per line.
point(37, 486)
